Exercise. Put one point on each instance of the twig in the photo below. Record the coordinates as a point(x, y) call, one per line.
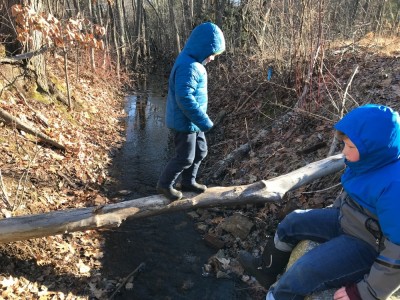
point(20, 191)
point(323, 190)
point(346, 90)
point(138, 269)
point(335, 140)
point(302, 111)
point(309, 77)
point(247, 133)
point(248, 98)
point(4, 193)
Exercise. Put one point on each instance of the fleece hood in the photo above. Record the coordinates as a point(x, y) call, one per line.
point(205, 40)
point(375, 131)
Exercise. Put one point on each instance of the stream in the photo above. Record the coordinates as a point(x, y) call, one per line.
point(173, 252)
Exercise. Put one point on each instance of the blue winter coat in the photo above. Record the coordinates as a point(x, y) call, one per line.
point(187, 98)
point(374, 180)
point(374, 183)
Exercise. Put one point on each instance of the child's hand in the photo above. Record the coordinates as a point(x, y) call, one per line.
point(348, 292)
point(341, 294)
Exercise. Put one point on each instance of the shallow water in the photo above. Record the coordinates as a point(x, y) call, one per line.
point(172, 250)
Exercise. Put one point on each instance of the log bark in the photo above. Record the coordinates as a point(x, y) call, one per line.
point(112, 215)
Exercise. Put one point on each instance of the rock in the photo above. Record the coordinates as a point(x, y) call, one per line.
point(193, 215)
point(124, 192)
point(213, 241)
point(302, 248)
point(238, 225)
point(203, 214)
point(201, 227)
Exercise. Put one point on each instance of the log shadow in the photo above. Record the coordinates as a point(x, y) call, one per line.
point(45, 275)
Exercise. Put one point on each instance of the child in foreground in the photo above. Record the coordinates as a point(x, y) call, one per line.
point(359, 252)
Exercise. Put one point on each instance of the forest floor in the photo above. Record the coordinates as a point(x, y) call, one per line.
point(37, 178)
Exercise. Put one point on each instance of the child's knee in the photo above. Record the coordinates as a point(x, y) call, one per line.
point(293, 218)
point(203, 154)
point(186, 162)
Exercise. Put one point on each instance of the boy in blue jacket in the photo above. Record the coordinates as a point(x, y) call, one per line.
point(360, 235)
point(186, 113)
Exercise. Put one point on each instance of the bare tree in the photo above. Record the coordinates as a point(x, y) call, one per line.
point(119, 13)
point(175, 31)
point(114, 33)
point(137, 33)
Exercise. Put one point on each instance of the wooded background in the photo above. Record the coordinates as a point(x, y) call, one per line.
point(286, 33)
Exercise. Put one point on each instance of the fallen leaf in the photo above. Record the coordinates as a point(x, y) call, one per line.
point(82, 267)
point(7, 282)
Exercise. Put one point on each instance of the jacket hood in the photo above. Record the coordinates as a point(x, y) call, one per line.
point(205, 40)
point(375, 131)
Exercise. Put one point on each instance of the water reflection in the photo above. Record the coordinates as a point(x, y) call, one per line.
point(147, 146)
point(174, 253)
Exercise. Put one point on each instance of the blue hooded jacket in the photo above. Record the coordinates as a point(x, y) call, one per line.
point(374, 180)
point(187, 98)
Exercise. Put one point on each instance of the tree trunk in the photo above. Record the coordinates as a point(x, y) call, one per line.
point(65, 54)
point(112, 215)
point(91, 51)
point(177, 44)
point(7, 27)
point(100, 15)
point(219, 11)
point(137, 34)
point(77, 8)
point(379, 16)
point(115, 39)
point(145, 44)
point(122, 30)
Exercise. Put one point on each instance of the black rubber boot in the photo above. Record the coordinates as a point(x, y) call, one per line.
point(268, 266)
point(194, 187)
point(171, 193)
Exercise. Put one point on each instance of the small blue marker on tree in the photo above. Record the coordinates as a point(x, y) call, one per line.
point(269, 74)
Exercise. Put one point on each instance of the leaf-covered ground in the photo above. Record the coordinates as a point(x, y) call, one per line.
point(38, 178)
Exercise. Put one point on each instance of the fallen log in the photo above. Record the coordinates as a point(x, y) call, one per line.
point(10, 119)
point(112, 215)
point(220, 167)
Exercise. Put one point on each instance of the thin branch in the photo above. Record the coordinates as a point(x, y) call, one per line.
point(22, 183)
point(4, 193)
point(335, 140)
point(346, 90)
point(138, 269)
point(23, 56)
